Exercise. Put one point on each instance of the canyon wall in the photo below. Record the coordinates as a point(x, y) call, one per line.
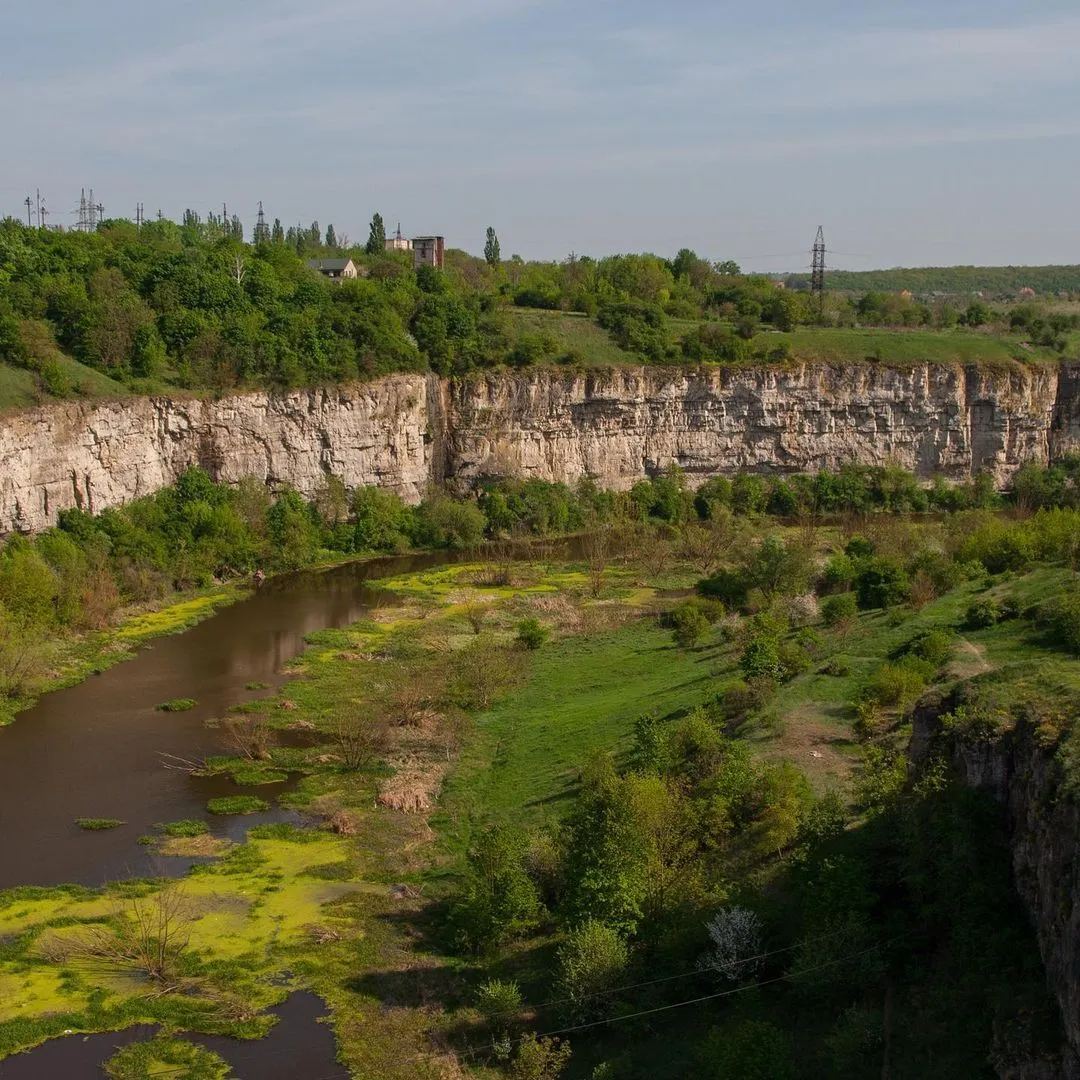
point(615, 427)
point(1022, 772)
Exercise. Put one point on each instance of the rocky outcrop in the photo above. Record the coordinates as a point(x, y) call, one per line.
point(614, 427)
point(1022, 772)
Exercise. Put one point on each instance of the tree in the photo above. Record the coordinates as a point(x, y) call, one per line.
point(377, 237)
point(735, 933)
point(277, 233)
point(491, 248)
point(592, 962)
point(331, 237)
point(500, 901)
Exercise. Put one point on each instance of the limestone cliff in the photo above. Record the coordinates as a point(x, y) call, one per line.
point(1022, 772)
point(615, 427)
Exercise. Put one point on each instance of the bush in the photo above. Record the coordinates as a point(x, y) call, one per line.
point(750, 1050)
point(1061, 616)
point(839, 608)
point(933, 646)
point(761, 658)
point(499, 901)
point(794, 660)
point(530, 634)
point(540, 1059)
point(592, 960)
point(499, 1002)
point(728, 586)
point(900, 683)
point(981, 614)
point(691, 626)
point(839, 667)
point(880, 583)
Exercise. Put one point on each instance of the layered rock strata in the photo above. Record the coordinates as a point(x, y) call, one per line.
point(615, 427)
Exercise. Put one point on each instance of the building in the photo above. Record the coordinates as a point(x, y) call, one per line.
point(334, 268)
point(397, 242)
point(428, 251)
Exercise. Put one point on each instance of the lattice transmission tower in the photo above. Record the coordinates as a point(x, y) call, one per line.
point(817, 271)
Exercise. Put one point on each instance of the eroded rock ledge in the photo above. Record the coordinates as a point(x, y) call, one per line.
point(616, 427)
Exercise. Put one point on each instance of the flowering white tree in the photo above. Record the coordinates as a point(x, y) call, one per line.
point(735, 933)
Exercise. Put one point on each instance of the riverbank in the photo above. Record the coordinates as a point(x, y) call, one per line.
point(75, 657)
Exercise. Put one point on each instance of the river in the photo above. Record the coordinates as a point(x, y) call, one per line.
point(95, 750)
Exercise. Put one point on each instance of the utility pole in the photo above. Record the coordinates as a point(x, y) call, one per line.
point(29, 202)
point(817, 271)
point(262, 230)
point(139, 219)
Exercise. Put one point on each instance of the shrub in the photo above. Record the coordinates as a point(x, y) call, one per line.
point(499, 1002)
point(180, 704)
point(499, 901)
point(237, 804)
point(760, 658)
point(1061, 616)
point(900, 683)
point(839, 608)
point(691, 626)
point(839, 573)
point(858, 547)
point(731, 587)
point(794, 660)
point(98, 824)
point(880, 583)
point(839, 667)
point(750, 1050)
point(981, 613)
point(934, 646)
point(540, 1059)
point(592, 960)
point(530, 634)
point(974, 720)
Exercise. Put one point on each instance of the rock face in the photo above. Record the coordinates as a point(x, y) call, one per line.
point(1025, 776)
point(614, 427)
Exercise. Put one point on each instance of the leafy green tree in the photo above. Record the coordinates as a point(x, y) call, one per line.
point(606, 864)
point(749, 1050)
point(331, 237)
point(376, 243)
point(491, 248)
point(540, 1059)
point(881, 583)
point(500, 901)
point(592, 961)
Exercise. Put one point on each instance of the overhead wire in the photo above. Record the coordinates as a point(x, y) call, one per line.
point(477, 1050)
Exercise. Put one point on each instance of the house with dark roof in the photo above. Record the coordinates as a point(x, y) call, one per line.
point(336, 269)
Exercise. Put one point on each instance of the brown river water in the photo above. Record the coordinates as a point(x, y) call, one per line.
point(95, 750)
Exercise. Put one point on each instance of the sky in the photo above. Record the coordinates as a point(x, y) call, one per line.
point(916, 132)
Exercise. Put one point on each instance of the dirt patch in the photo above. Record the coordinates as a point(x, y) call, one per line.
point(817, 747)
point(969, 660)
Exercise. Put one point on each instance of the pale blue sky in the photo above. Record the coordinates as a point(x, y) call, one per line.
point(916, 131)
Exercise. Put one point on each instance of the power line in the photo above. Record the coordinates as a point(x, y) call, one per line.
point(694, 971)
point(699, 1000)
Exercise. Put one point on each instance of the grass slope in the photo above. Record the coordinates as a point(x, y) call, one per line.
point(584, 694)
